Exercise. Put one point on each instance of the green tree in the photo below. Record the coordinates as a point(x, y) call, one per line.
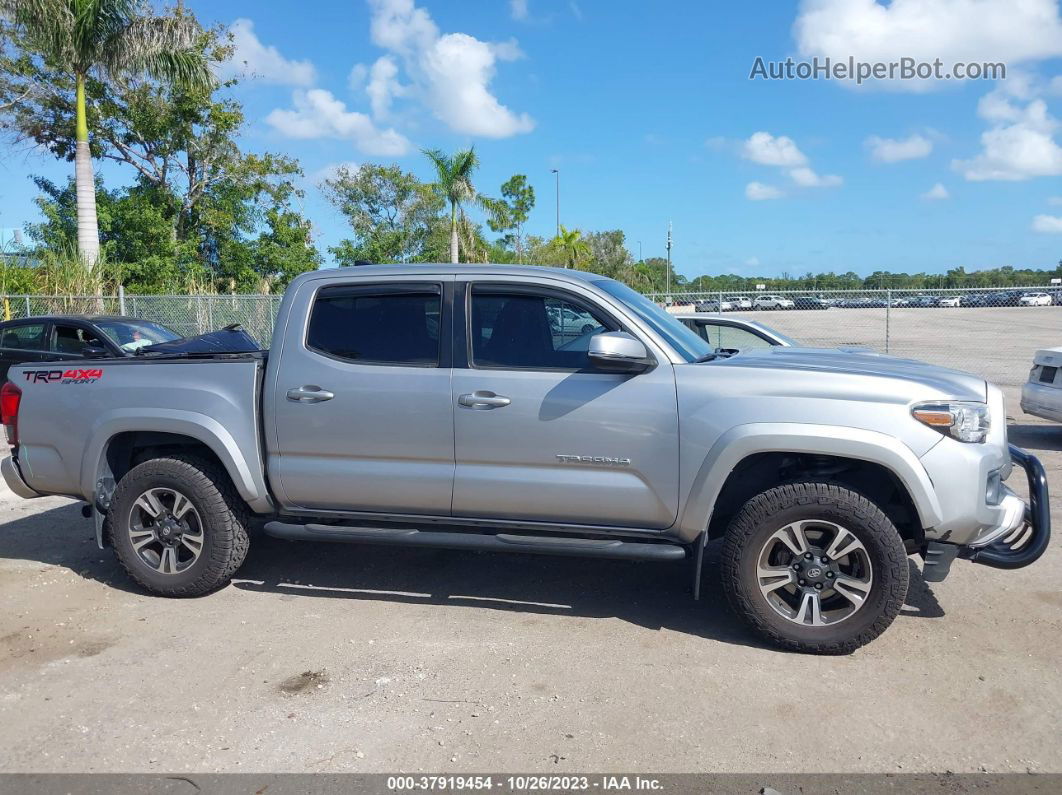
point(511, 212)
point(571, 247)
point(390, 211)
point(453, 182)
point(111, 40)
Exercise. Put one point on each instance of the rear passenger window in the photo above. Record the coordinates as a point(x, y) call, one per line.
point(383, 325)
point(29, 337)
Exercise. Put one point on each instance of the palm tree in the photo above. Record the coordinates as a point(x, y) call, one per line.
point(454, 183)
point(109, 40)
point(572, 246)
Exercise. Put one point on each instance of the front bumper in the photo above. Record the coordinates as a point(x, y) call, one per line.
point(1020, 538)
point(1027, 540)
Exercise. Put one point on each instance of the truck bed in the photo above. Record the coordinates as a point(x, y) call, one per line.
point(68, 409)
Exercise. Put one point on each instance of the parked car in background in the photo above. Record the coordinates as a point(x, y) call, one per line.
point(1042, 394)
point(810, 302)
point(55, 338)
point(730, 336)
point(738, 301)
point(715, 305)
point(1035, 299)
point(974, 300)
point(772, 302)
point(949, 301)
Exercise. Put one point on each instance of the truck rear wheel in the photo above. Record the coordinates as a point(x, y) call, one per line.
point(177, 526)
point(814, 567)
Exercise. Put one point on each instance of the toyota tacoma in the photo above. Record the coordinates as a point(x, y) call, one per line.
point(535, 410)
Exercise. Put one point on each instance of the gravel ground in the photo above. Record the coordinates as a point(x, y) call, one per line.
point(325, 658)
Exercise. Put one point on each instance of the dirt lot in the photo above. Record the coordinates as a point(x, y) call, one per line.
point(330, 658)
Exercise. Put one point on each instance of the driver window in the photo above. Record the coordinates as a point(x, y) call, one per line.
point(525, 330)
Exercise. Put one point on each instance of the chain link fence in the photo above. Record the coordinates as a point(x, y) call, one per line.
point(991, 332)
point(185, 314)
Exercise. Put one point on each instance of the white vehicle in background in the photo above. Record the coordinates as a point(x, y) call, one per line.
point(738, 301)
point(1035, 299)
point(1042, 394)
point(772, 302)
point(950, 301)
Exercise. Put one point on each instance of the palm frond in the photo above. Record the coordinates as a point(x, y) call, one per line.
point(47, 24)
point(162, 47)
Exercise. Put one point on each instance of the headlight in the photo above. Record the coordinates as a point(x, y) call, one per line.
point(967, 422)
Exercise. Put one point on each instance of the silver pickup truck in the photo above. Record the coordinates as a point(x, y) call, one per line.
point(543, 411)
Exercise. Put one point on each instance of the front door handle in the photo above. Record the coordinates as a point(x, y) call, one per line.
point(309, 394)
point(483, 399)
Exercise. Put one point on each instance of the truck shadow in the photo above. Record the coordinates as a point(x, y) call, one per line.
point(652, 595)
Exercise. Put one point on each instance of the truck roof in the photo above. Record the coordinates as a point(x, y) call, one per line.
point(436, 269)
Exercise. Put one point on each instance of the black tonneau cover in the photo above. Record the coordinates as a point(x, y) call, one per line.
point(231, 339)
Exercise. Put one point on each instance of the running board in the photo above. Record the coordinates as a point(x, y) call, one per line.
point(500, 542)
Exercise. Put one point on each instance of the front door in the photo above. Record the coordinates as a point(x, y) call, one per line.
point(540, 435)
point(362, 416)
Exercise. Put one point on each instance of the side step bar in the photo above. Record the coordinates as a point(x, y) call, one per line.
point(500, 542)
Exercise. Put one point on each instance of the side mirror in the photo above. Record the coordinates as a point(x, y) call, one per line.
point(92, 352)
point(618, 351)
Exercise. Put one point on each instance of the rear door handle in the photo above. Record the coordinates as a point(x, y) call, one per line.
point(309, 394)
point(483, 399)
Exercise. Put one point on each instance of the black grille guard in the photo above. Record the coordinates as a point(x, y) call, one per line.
point(1026, 544)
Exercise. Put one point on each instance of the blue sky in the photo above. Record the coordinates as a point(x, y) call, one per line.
point(648, 111)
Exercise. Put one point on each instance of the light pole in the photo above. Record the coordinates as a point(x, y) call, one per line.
point(640, 251)
point(557, 172)
point(668, 290)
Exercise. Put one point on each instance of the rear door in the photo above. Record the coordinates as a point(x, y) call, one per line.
point(23, 342)
point(543, 436)
point(361, 410)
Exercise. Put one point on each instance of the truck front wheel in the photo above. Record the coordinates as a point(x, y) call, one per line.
point(177, 526)
point(814, 567)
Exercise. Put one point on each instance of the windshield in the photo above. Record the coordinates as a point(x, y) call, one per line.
point(686, 342)
point(132, 334)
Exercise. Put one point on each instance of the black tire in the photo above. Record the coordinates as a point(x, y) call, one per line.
point(772, 510)
point(224, 519)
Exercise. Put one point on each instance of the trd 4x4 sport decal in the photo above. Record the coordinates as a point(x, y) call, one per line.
point(63, 376)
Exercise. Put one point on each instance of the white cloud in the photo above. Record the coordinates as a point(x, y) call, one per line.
point(332, 170)
point(518, 9)
point(252, 58)
point(383, 86)
point(1010, 31)
point(1019, 145)
point(318, 114)
point(892, 150)
point(937, 193)
point(764, 148)
point(757, 191)
point(1054, 201)
point(359, 73)
point(782, 152)
point(1048, 224)
point(807, 178)
point(450, 73)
